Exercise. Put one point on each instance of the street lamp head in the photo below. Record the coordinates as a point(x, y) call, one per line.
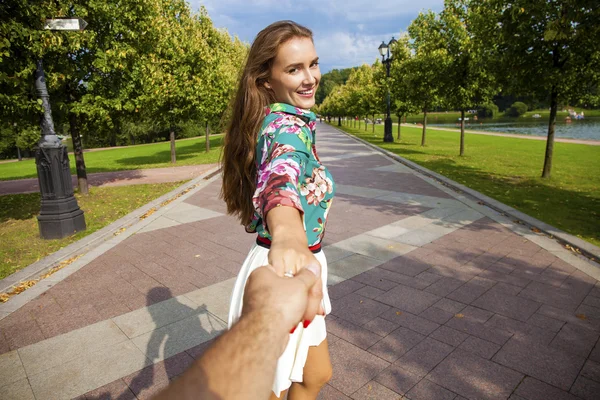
point(383, 48)
point(391, 44)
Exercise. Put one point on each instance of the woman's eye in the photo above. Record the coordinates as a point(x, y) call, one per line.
point(315, 64)
point(292, 71)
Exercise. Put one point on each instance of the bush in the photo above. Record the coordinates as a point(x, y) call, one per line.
point(489, 110)
point(517, 109)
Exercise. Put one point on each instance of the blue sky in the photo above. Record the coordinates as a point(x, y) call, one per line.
point(346, 32)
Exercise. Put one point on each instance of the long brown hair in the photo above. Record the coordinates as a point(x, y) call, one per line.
point(238, 160)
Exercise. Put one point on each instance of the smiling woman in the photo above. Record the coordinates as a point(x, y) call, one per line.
point(274, 182)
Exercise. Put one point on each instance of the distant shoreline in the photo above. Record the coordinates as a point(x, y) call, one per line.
point(589, 142)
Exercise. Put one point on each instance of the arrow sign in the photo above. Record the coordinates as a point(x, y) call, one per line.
point(65, 24)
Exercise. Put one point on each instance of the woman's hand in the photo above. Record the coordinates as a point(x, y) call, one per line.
point(289, 249)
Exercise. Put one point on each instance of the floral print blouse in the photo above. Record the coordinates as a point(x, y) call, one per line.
point(289, 172)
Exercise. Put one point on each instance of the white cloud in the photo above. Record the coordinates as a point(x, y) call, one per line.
point(345, 49)
point(347, 32)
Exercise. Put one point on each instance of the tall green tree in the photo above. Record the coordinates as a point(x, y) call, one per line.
point(468, 80)
point(548, 49)
point(402, 103)
point(425, 69)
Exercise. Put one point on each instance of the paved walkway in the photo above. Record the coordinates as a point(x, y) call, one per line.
point(119, 178)
point(434, 297)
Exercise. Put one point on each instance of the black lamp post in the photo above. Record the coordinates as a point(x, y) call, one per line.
point(386, 59)
point(60, 215)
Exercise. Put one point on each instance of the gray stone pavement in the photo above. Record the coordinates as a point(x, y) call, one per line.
point(434, 297)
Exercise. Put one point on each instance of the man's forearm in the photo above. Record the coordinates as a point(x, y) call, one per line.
point(239, 365)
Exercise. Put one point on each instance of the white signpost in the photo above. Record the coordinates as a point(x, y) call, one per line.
point(65, 24)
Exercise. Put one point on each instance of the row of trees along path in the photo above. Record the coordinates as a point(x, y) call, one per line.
point(141, 67)
point(473, 50)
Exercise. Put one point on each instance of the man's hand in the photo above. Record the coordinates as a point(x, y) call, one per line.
point(285, 301)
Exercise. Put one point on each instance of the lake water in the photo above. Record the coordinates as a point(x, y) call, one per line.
point(588, 128)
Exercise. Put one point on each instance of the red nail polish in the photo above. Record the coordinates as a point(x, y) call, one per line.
point(306, 323)
point(293, 329)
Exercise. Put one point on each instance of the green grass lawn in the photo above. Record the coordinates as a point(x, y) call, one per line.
point(509, 170)
point(156, 155)
point(20, 244)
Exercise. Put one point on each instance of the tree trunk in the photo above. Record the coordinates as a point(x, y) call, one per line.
point(373, 123)
point(19, 154)
point(172, 138)
point(462, 132)
point(82, 182)
point(424, 127)
point(339, 121)
point(550, 141)
point(366, 124)
point(207, 137)
point(399, 123)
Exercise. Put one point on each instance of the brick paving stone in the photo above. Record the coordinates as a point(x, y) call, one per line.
point(410, 321)
point(577, 317)
point(480, 347)
point(556, 367)
point(576, 339)
point(330, 393)
point(501, 267)
point(398, 379)
point(548, 323)
point(474, 328)
point(505, 304)
point(436, 315)
point(396, 344)
point(474, 377)
point(507, 288)
point(343, 288)
point(114, 390)
point(595, 354)
point(471, 290)
point(449, 336)
point(476, 314)
point(427, 390)
point(557, 297)
point(381, 326)
point(592, 301)
point(372, 278)
point(450, 305)
point(591, 370)
point(423, 357)
point(532, 389)
point(357, 309)
point(429, 277)
point(370, 292)
point(444, 286)
point(408, 299)
point(375, 391)
point(502, 277)
point(353, 367)
point(461, 272)
point(586, 389)
point(521, 329)
point(354, 334)
point(406, 265)
point(579, 282)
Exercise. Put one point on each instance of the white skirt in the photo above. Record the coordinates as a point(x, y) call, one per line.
point(290, 365)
